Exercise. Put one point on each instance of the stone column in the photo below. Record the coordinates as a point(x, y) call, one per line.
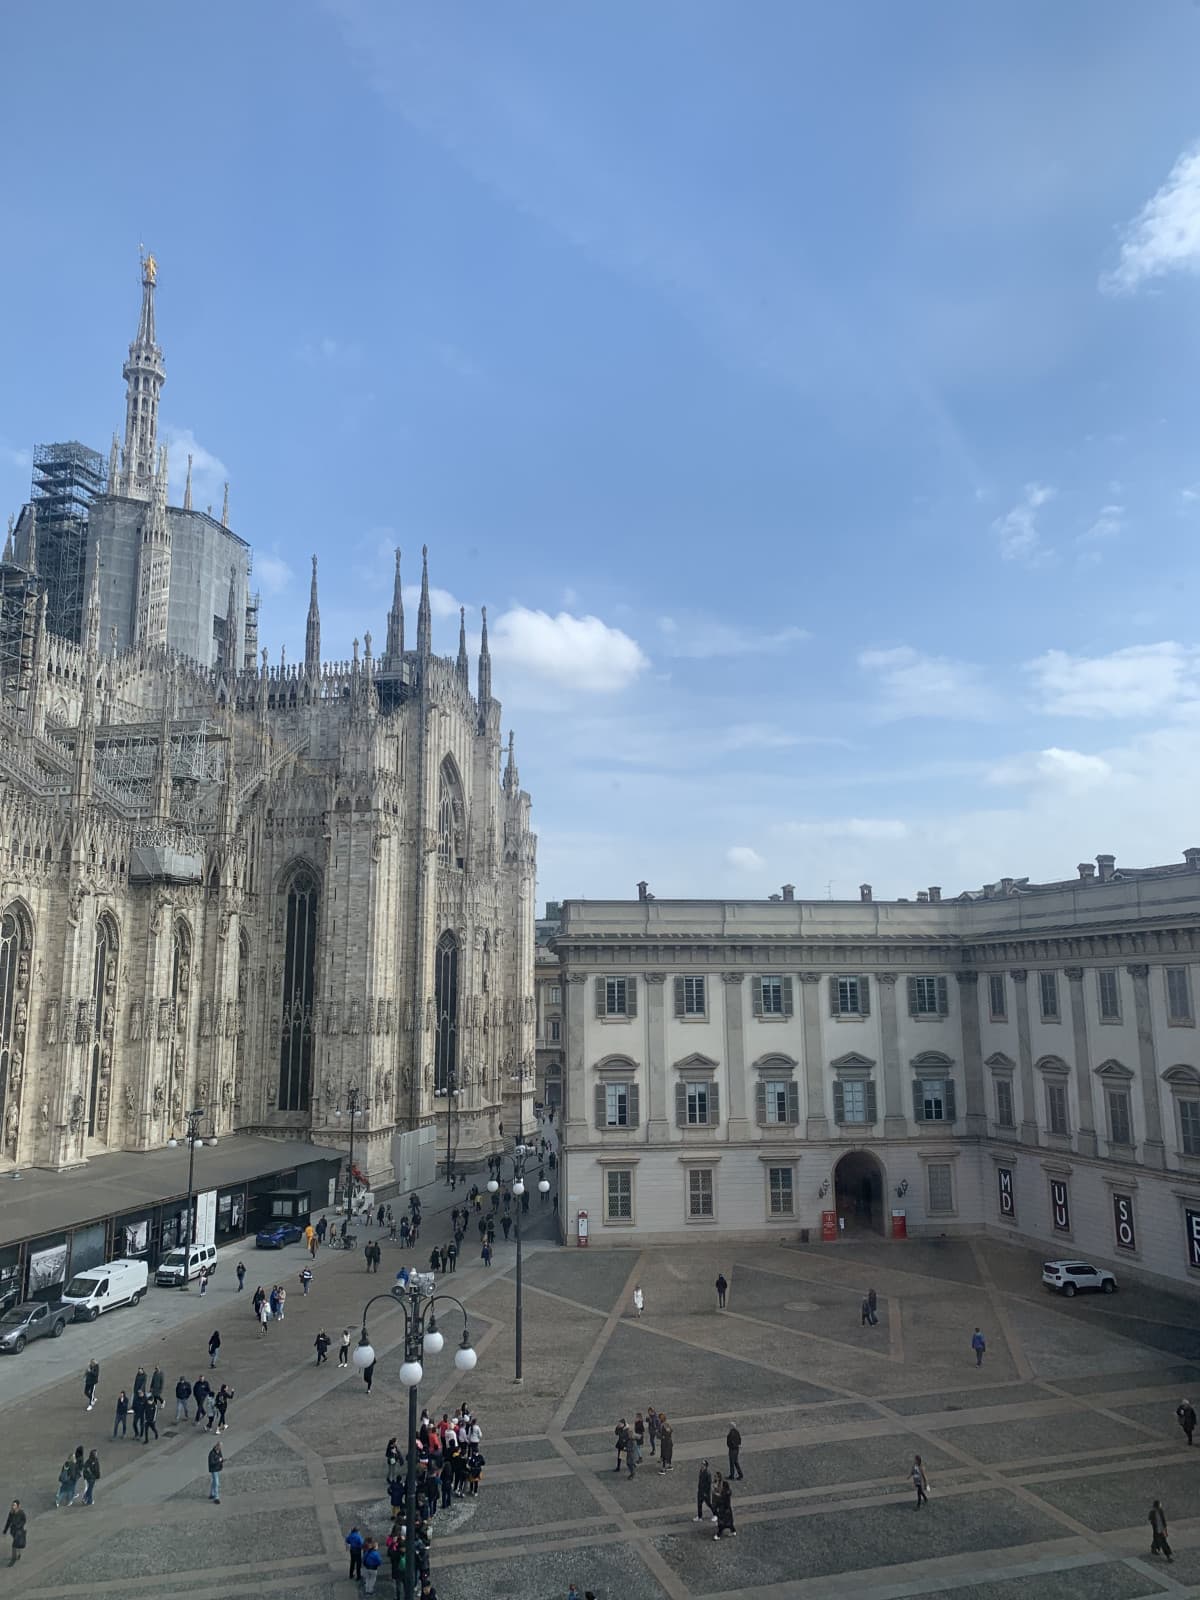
point(735, 1055)
point(1029, 1122)
point(658, 1127)
point(578, 1111)
point(895, 1122)
point(817, 1123)
point(1087, 1144)
point(1153, 1151)
point(968, 1001)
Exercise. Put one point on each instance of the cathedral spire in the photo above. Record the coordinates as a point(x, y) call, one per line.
point(312, 630)
point(464, 667)
point(114, 465)
point(8, 543)
point(228, 663)
point(485, 669)
point(424, 616)
point(144, 376)
point(154, 565)
point(511, 781)
point(395, 633)
point(187, 488)
point(225, 509)
point(92, 630)
point(31, 553)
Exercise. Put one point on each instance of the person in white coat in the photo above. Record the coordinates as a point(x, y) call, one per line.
point(639, 1300)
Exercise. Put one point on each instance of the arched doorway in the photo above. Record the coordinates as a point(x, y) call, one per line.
point(858, 1192)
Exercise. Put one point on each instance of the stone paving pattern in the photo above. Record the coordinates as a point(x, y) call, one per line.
point(1042, 1463)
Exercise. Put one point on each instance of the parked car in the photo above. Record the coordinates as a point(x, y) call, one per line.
point(116, 1283)
point(201, 1258)
point(276, 1234)
point(33, 1320)
point(1068, 1277)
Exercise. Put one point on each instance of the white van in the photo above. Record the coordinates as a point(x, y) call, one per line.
point(201, 1258)
point(116, 1283)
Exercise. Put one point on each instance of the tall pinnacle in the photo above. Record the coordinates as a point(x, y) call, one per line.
point(485, 669)
point(144, 376)
point(31, 553)
point(464, 666)
point(225, 509)
point(187, 488)
point(395, 633)
point(511, 781)
point(92, 640)
point(312, 631)
point(424, 616)
point(229, 657)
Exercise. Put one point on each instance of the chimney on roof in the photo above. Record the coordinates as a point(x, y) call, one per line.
point(1086, 872)
point(1106, 865)
point(864, 892)
point(935, 894)
point(1006, 885)
point(643, 890)
point(1192, 857)
point(922, 897)
point(789, 891)
point(774, 898)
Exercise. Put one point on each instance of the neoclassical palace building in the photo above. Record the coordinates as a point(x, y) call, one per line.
point(270, 892)
point(1022, 1059)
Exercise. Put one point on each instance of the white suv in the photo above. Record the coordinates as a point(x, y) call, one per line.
point(1070, 1276)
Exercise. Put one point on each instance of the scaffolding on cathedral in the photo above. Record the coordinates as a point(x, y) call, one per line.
point(19, 593)
point(66, 479)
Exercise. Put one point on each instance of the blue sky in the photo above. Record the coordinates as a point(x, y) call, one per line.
point(808, 391)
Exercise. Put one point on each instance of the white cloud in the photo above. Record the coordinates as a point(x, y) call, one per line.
point(272, 572)
point(573, 653)
point(915, 685)
point(209, 472)
point(442, 603)
point(1135, 682)
point(1061, 768)
point(1017, 532)
point(697, 638)
point(1165, 235)
point(744, 859)
point(1108, 525)
point(873, 828)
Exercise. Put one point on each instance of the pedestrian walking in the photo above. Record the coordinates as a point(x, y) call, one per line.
point(506, 1224)
point(306, 1278)
point(257, 1299)
point(666, 1444)
point(344, 1348)
point(372, 1561)
point(369, 1376)
point(873, 1302)
point(281, 1292)
point(486, 1253)
point(264, 1316)
point(68, 1475)
point(733, 1443)
point(354, 1543)
point(121, 1415)
point(1184, 1411)
point(138, 1407)
point(452, 1253)
point(214, 1348)
point(866, 1312)
point(14, 1527)
point(183, 1393)
point(91, 1477)
point(150, 1418)
point(392, 1459)
point(158, 1382)
point(203, 1280)
point(321, 1346)
point(652, 1428)
point(723, 1496)
point(216, 1460)
point(222, 1398)
point(979, 1345)
point(639, 1433)
point(241, 1276)
point(1158, 1528)
point(722, 1290)
point(639, 1300)
point(201, 1390)
point(704, 1492)
point(91, 1379)
point(619, 1436)
point(920, 1482)
point(321, 1229)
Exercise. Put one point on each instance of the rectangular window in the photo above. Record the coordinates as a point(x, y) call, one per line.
point(1120, 1123)
point(693, 997)
point(850, 996)
point(1048, 990)
point(771, 990)
point(616, 997)
point(997, 997)
point(927, 997)
point(556, 994)
point(697, 1104)
point(940, 1185)
point(1110, 995)
point(555, 1030)
point(1005, 1112)
point(1189, 1127)
point(853, 1101)
point(929, 1094)
point(1057, 1119)
point(700, 1192)
point(1179, 995)
point(782, 1201)
point(618, 1195)
point(616, 1105)
point(776, 1095)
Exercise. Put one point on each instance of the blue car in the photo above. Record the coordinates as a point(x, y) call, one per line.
point(277, 1235)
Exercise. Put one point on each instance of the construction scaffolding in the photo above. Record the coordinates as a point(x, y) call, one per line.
point(19, 592)
point(66, 479)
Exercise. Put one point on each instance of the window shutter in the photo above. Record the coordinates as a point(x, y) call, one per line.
point(633, 1098)
point(948, 1099)
point(681, 1105)
point(872, 1111)
point(631, 997)
point(839, 1102)
point(714, 1103)
point(834, 1009)
point(678, 997)
point(756, 995)
point(793, 1103)
point(601, 1106)
point(943, 998)
point(912, 997)
point(599, 997)
point(760, 1104)
point(918, 1101)
point(787, 997)
point(864, 995)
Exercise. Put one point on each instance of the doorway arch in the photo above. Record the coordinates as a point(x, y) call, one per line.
point(858, 1187)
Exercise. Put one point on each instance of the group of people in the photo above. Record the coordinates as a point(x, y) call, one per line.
point(654, 1430)
point(269, 1306)
point(714, 1494)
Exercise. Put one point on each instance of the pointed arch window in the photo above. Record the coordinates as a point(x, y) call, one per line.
point(16, 946)
point(104, 996)
point(451, 816)
point(299, 984)
point(445, 994)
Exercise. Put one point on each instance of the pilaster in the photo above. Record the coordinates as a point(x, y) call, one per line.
point(1153, 1152)
point(1087, 1143)
point(968, 1004)
point(577, 1108)
point(657, 1125)
point(895, 1122)
point(735, 1055)
point(1029, 1125)
point(816, 1120)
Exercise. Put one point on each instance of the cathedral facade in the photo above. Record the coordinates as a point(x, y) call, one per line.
point(271, 893)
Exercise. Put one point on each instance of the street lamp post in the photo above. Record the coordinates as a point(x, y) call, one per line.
point(352, 1105)
point(192, 1135)
point(416, 1298)
point(521, 1154)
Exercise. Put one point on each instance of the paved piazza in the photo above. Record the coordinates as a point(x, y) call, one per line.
point(1042, 1464)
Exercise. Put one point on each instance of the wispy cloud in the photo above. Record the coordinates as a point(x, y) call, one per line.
point(582, 654)
point(697, 638)
point(744, 858)
point(209, 472)
point(272, 571)
point(1073, 768)
point(845, 828)
point(1165, 235)
point(1138, 681)
point(912, 684)
point(1017, 533)
point(442, 603)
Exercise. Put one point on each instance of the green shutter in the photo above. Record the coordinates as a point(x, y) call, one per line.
point(756, 995)
point(631, 997)
point(864, 995)
point(599, 997)
point(681, 1105)
point(679, 997)
point(793, 1103)
point(834, 1007)
point(760, 1103)
point(601, 1106)
point(943, 998)
point(839, 1102)
point(634, 1096)
point(714, 1104)
point(918, 1101)
point(787, 997)
point(948, 1100)
point(912, 997)
point(872, 1109)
